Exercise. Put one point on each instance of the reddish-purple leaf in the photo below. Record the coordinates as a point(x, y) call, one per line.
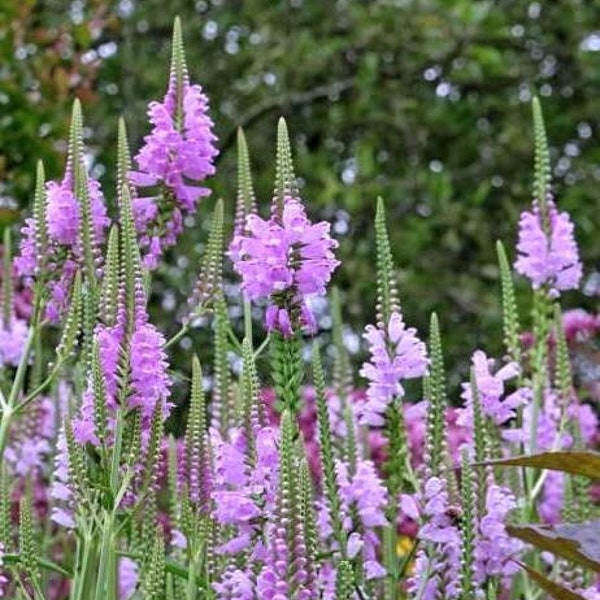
point(575, 463)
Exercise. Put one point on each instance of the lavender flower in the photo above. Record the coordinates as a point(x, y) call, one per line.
point(179, 150)
point(3, 579)
point(490, 387)
point(396, 354)
point(234, 585)
point(286, 260)
point(548, 257)
point(128, 577)
point(60, 490)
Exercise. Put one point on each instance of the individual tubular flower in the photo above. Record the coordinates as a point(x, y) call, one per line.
point(286, 260)
point(177, 155)
point(396, 354)
point(548, 257)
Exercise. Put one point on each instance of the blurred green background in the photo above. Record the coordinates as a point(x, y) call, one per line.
point(424, 102)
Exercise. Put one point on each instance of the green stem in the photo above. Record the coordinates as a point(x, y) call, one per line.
point(106, 582)
point(39, 389)
point(248, 322)
point(182, 332)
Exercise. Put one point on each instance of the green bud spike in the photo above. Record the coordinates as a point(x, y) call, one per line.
point(179, 72)
point(509, 307)
point(99, 390)
point(151, 462)
point(246, 199)
point(326, 452)
point(172, 478)
point(28, 549)
point(124, 163)
point(153, 581)
point(195, 435)
point(72, 321)
point(344, 582)
point(39, 213)
point(75, 152)
point(342, 370)
point(285, 179)
point(210, 281)
point(252, 410)
point(222, 409)
point(563, 378)
point(468, 526)
point(307, 515)
point(78, 475)
point(287, 370)
point(479, 426)
point(387, 289)
point(7, 285)
point(5, 509)
point(110, 283)
point(131, 266)
point(542, 173)
point(436, 395)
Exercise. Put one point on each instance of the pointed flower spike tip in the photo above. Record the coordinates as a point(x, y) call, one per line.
point(285, 179)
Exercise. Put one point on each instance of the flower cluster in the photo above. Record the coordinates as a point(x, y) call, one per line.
point(396, 354)
point(177, 155)
point(548, 258)
point(285, 260)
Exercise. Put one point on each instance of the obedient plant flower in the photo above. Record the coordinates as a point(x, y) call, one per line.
point(490, 386)
point(396, 354)
point(13, 335)
point(3, 579)
point(67, 228)
point(177, 156)
point(548, 258)
point(547, 251)
point(286, 260)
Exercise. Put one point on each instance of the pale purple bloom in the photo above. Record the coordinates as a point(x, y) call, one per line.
point(234, 585)
point(84, 427)
point(548, 258)
point(128, 577)
point(63, 212)
point(494, 547)
point(396, 354)
point(177, 155)
point(287, 260)
point(3, 579)
point(60, 490)
point(490, 388)
point(12, 341)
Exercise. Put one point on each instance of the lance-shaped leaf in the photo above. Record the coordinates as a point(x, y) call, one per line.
point(285, 180)
point(208, 289)
point(578, 543)
point(510, 313)
point(387, 289)
point(586, 464)
point(72, 321)
point(555, 590)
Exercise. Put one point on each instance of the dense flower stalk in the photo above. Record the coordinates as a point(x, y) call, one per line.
point(396, 354)
point(548, 257)
point(176, 157)
point(288, 261)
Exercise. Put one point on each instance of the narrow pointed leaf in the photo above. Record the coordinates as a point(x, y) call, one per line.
point(550, 587)
point(586, 464)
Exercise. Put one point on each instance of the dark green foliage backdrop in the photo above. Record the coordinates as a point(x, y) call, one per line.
point(424, 102)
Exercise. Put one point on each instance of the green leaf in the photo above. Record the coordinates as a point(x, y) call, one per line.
point(575, 463)
point(578, 543)
point(551, 587)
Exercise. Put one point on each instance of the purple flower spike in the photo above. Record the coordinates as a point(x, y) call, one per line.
point(548, 258)
point(177, 155)
point(287, 261)
point(396, 354)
